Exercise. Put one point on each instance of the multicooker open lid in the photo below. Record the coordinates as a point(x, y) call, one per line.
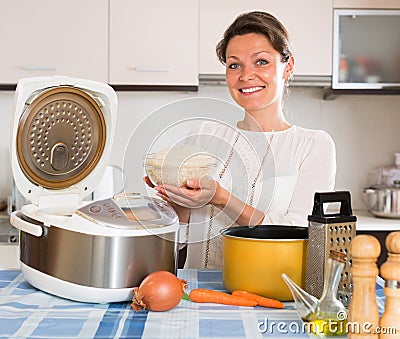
point(62, 136)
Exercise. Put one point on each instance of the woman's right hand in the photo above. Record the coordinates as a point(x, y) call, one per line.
point(195, 194)
point(183, 212)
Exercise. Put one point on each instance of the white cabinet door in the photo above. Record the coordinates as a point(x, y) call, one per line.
point(154, 42)
point(364, 4)
point(47, 37)
point(309, 24)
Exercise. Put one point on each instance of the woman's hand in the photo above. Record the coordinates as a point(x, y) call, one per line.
point(196, 193)
point(183, 212)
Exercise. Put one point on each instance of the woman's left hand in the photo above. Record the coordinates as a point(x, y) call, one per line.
point(196, 193)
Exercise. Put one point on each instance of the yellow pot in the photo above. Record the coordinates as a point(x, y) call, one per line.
point(255, 258)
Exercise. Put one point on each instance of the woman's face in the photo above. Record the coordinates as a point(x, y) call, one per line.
point(255, 74)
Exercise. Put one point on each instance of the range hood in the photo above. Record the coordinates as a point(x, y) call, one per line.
point(296, 80)
point(324, 82)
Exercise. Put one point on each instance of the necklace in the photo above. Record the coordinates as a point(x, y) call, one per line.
point(252, 189)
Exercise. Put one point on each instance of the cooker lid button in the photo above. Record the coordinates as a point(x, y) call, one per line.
point(59, 156)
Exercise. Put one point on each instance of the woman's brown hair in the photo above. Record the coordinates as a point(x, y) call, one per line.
point(260, 23)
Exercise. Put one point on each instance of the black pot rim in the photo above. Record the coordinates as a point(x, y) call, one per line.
point(266, 233)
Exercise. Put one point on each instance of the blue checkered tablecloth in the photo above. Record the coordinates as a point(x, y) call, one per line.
point(26, 312)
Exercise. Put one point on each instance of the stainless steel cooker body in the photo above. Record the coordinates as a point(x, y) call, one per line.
point(98, 261)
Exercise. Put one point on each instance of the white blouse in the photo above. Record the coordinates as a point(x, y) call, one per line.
point(287, 167)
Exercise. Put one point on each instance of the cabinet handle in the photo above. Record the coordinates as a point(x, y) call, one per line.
point(151, 69)
point(39, 68)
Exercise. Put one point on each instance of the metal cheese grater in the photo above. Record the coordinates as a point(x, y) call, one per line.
point(326, 232)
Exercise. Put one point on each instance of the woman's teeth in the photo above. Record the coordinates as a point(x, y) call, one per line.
point(251, 89)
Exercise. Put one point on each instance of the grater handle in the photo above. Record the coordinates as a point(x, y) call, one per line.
point(320, 198)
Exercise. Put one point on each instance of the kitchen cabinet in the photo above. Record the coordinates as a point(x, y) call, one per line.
point(45, 37)
point(309, 25)
point(381, 237)
point(364, 4)
point(154, 43)
point(377, 227)
point(358, 64)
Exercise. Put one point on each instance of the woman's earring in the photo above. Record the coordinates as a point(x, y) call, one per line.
point(286, 82)
point(287, 78)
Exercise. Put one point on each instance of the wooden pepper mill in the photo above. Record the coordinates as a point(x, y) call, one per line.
point(363, 309)
point(390, 271)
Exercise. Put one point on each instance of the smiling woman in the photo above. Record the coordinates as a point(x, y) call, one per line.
point(268, 169)
point(252, 75)
point(259, 62)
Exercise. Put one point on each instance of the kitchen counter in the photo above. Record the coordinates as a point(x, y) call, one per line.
point(368, 222)
point(26, 312)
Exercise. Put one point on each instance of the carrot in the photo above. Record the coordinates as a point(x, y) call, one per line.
point(202, 295)
point(261, 301)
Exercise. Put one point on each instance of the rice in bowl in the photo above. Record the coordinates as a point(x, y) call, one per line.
point(175, 165)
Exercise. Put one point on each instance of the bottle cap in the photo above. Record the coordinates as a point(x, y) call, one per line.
point(338, 256)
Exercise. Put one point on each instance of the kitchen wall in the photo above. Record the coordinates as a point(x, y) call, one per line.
point(365, 128)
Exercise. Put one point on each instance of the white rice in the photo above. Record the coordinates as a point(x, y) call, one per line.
point(175, 165)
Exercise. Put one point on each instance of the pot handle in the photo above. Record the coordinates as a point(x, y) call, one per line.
point(320, 198)
point(25, 226)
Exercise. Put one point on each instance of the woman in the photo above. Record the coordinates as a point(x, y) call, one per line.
point(289, 163)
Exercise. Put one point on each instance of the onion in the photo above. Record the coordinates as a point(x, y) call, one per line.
point(159, 291)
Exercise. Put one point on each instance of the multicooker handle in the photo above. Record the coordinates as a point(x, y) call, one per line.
point(25, 226)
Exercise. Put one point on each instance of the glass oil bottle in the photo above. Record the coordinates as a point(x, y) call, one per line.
point(326, 316)
point(330, 316)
